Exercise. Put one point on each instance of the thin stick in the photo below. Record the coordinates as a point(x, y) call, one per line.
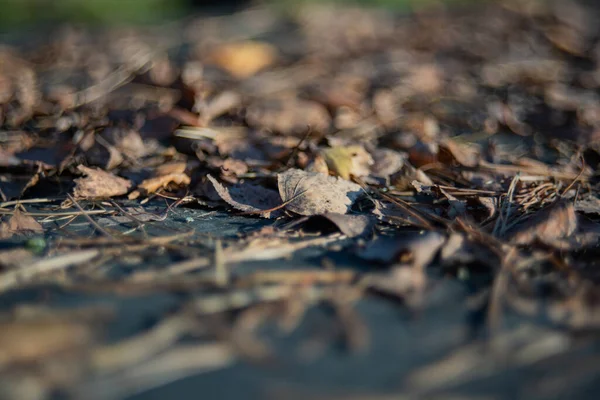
point(297, 147)
point(576, 179)
point(14, 277)
point(94, 223)
point(285, 203)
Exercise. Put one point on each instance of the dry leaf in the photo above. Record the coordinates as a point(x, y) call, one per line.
point(410, 248)
point(249, 198)
point(20, 223)
point(349, 160)
point(552, 225)
point(15, 258)
point(450, 151)
point(99, 184)
point(18, 83)
point(171, 168)
point(243, 59)
point(387, 162)
point(30, 341)
point(311, 193)
point(351, 225)
point(152, 185)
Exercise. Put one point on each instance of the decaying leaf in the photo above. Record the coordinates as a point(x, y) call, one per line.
point(99, 184)
point(249, 198)
point(243, 59)
point(348, 160)
point(551, 226)
point(311, 193)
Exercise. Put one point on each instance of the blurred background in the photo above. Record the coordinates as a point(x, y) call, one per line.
point(25, 14)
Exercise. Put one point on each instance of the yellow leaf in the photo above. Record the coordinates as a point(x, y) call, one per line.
point(349, 160)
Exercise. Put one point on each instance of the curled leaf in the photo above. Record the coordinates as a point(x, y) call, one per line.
point(249, 198)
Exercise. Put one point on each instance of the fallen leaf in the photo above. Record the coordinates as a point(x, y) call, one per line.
point(352, 225)
point(551, 226)
point(288, 114)
point(15, 258)
point(311, 193)
point(387, 162)
point(450, 151)
point(410, 248)
point(249, 198)
point(169, 180)
point(348, 160)
point(98, 184)
point(243, 59)
point(30, 341)
point(20, 223)
point(170, 168)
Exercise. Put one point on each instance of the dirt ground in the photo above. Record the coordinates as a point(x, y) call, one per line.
point(324, 202)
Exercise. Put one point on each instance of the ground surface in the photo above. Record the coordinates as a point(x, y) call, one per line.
point(319, 203)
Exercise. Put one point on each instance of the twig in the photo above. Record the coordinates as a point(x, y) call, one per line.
point(94, 223)
point(15, 277)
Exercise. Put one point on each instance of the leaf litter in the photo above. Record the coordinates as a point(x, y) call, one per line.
point(359, 155)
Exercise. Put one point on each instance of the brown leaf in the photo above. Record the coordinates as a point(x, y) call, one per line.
point(20, 223)
point(99, 184)
point(351, 225)
point(417, 250)
point(18, 83)
point(550, 226)
point(311, 193)
point(450, 151)
point(29, 341)
point(243, 59)
point(249, 198)
point(386, 162)
point(288, 114)
point(152, 185)
point(170, 168)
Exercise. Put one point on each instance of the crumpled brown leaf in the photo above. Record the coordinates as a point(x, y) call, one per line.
point(249, 198)
point(311, 193)
point(98, 184)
